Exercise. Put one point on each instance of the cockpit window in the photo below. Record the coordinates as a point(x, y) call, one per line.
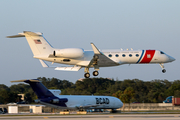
point(161, 52)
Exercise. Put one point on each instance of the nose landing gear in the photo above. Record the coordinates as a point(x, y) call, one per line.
point(164, 70)
point(162, 66)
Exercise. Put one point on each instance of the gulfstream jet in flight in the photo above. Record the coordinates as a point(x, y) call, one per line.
point(81, 58)
point(67, 102)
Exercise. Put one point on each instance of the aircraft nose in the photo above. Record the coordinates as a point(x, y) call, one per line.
point(171, 59)
point(119, 104)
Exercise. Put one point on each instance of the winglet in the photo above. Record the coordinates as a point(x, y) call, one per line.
point(95, 49)
point(43, 63)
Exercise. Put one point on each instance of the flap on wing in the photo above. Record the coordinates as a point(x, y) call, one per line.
point(75, 68)
point(104, 60)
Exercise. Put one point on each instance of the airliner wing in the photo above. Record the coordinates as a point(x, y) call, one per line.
point(73, 68)
point(88, 106)
point(100, 59)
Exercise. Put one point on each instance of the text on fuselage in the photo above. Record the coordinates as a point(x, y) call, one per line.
point(102, 101)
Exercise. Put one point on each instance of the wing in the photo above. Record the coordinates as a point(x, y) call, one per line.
point(88, 106)
point(99, 59)
point(73, 68)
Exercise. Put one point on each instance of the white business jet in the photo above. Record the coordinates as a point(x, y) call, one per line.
point(79, 57)
point(53, 98)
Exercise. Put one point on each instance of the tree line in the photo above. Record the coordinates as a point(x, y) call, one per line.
point(135, 90)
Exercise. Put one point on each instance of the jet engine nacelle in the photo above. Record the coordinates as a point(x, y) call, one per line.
point(54, 101)
point(55, 92)
point(69, 53)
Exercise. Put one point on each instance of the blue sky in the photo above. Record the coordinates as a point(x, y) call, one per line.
point(109, 24)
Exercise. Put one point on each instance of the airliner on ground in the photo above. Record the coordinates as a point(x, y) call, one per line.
point(79, 57)
point(67, 102)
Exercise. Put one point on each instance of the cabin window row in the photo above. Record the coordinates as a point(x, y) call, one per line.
point(123, 55)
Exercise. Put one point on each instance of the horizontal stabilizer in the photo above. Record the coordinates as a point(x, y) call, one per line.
point(75, 68)
point(27, 33)
point(33, 33)
point(31, 80)
point(15, 36)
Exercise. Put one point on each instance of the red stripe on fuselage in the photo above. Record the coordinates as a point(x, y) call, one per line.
point(148, 56)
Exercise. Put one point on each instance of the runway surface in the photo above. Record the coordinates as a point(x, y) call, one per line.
point(96, 117)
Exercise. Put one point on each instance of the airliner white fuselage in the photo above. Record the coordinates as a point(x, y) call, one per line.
point(53, 98)
point(79, 57)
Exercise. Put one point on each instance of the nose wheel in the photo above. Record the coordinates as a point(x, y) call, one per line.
point(164, 70)
point(162, 66)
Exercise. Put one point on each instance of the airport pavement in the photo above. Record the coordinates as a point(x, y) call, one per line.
point(96, 117)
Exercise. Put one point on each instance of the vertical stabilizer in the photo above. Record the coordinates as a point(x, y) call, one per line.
point(38, 44)
point(40, 90)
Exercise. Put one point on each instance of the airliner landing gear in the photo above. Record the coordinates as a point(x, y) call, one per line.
point(164, 70)
point(113, 111)
point(162, 66)
point(95, 73)
point(86, 75)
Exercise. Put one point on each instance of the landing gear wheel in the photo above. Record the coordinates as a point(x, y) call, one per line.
point(95, 73)
point(86, 75)
point(164, 70)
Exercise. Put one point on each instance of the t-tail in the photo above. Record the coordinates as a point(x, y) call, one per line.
point(38, 44)
point(43, 94)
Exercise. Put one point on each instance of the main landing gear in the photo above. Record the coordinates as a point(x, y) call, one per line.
point(162, 66)
point(87, 75)
point(95, 73)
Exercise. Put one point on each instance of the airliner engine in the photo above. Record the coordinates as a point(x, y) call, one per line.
point(55, 92)
point(69, 53)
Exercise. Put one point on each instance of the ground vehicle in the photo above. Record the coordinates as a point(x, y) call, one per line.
point(168, 100)
point(3, 110)
point(22, 102)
